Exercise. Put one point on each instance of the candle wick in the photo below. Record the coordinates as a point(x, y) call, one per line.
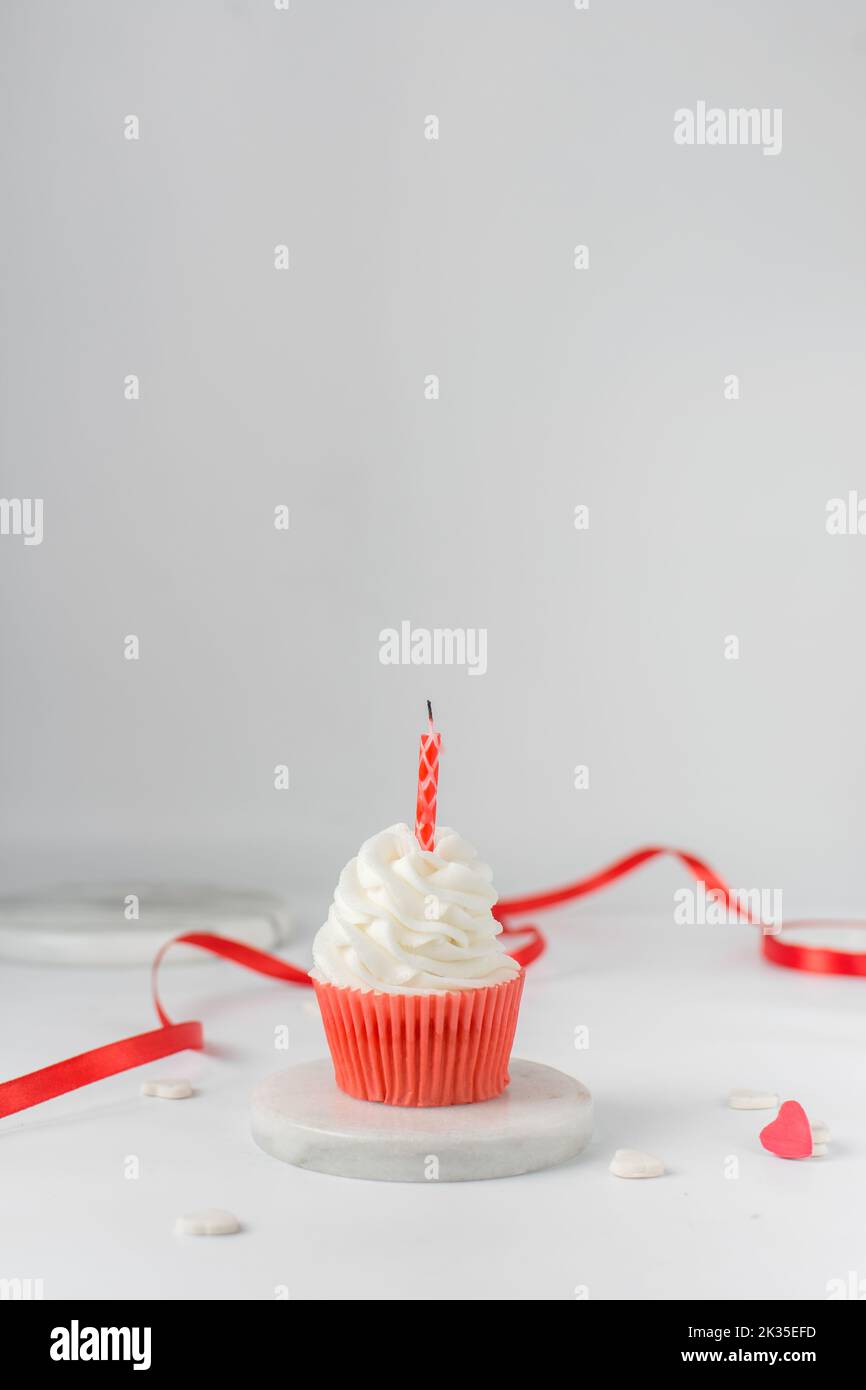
point(430, 712)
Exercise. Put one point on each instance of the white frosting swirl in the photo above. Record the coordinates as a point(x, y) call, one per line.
point(410, 921)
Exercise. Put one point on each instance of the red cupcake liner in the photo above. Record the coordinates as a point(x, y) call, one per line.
point(421, 1049)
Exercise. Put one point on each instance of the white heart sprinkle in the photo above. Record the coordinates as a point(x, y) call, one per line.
point(167, 1090)
point(820, 1133)
point(745, 1099)
point(818, 1150)
point(213, 1222)
point(631, 1163)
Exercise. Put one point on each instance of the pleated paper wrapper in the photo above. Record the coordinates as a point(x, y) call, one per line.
point(421, 1049)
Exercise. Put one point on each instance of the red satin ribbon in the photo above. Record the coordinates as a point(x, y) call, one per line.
point(820, 960)
point(539, 902)
point(100, 1062)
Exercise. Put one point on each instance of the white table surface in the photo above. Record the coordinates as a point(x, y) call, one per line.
point(677, 1016)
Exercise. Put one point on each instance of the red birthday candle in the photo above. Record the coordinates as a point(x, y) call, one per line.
point(428, 782)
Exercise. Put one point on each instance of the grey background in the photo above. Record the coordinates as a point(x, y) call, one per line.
point(557, 387)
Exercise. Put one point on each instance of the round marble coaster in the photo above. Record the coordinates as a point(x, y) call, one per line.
point(544, 1117)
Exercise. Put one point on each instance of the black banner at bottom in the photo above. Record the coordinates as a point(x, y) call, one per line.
point(75, 1338)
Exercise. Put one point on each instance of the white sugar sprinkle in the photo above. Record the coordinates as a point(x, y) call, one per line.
point(745, 1099)
point(631, 1163)
point(213, 1222)
point(178, 1089)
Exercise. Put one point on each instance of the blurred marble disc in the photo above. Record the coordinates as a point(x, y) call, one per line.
point(544, 1117)
point(86, 924)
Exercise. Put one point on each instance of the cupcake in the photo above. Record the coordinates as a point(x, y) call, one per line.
point(418, 996)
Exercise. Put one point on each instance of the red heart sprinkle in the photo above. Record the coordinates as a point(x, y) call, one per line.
point(790, 1134)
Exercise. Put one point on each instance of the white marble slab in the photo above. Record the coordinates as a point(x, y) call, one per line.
point(86, 924)
point(543, 1118)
